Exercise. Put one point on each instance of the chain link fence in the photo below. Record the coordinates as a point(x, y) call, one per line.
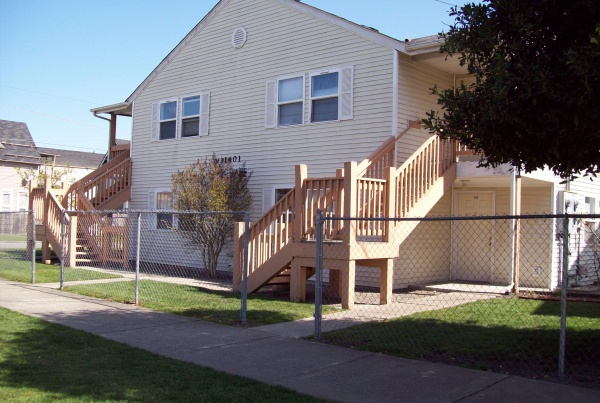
point(516, 295)
point(17, 251)
point(158, 259)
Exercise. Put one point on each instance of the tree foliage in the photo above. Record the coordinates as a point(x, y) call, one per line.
point(47, 170)
point(535, 98)
point(210, 186)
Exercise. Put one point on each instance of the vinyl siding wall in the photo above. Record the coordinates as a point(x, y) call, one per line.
point(281, 42)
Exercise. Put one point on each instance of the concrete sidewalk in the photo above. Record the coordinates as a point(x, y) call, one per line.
point(316, 369)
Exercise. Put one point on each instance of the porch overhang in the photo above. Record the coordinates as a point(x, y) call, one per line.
point(122, 109)
point(426, 50)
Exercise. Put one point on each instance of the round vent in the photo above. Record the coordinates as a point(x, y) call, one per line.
point(238, 38)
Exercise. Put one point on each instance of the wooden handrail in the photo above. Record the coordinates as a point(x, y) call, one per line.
point(272, 232)
point(370, 203)
point(418, 174)
point(383, 157)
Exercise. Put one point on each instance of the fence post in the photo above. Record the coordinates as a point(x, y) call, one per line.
point(319, 275)
point(137, 259)
point(62, 247)
point(32, 246)
point(244, 290)
point(563, 297)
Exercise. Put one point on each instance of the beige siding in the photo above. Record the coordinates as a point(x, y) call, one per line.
point(10, 181)
point(415, 81)
point(288, 44)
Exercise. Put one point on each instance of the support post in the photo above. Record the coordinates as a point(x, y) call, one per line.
point(563, 297)
point(137, 259)
point(319, 275)
point(298, 282)
point(244, 296)
point(112, 134)
point(300, 208)
point(348, 275)
point(32, 244)
point(45, 244)
point(72, 241)
point(517, 238)
point(390, 205)
point(238, 232)
point(62, 247)
point(386, 282)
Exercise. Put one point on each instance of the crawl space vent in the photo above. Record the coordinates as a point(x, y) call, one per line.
point(238, 38)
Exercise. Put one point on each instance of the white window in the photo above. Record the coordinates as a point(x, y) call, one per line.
point(22, 200)
point(290, 101)
point(6, 200)
point(331, 95)
point(185, 116)
point(331, 98)
point(162, 199)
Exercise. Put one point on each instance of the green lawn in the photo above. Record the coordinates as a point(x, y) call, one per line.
point(510, 335)
point(20, 270)
point(44, 362)
point(213, 306)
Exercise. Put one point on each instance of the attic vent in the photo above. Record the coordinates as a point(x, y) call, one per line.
point(238, 38)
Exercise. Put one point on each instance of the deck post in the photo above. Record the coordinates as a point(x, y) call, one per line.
point(45, 244)
point(349, 272)
point(299, 207)
point(386, 281)
point(297, 282)
point(390, 205)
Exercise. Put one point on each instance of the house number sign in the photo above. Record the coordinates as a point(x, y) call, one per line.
point(234, 158)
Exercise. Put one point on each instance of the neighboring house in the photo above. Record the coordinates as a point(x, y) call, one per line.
point(77, 163)
point(17, 150)
point(278, 83)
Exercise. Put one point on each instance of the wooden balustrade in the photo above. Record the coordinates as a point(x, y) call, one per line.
point(416, 176)
point(325, 194)
point(370, 203)
point(272, 232)
point(37, 200)
point(53, 221)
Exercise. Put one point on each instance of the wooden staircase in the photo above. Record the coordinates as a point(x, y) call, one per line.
point(90, 238)
point(283, 239)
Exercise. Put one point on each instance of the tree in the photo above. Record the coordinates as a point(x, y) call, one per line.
point(535, 99)
point(209, 186)
point(47, 170)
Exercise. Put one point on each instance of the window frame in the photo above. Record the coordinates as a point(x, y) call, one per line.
point(153, 207)
point(317, 98)
point(295, 101)
point(202, 116)
point(19, 194)
point(175, 119)
point(10, 200)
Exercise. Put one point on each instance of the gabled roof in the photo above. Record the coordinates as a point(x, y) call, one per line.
point(75, 159)
point(366, 32)
point(428, 54)
point(16, 143)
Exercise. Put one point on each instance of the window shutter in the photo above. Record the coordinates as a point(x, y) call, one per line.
point(155, 120)
point(268, 199)
point(152, 207)
point(204, 113)
point(346, 96)
point(271, 105)
point(178, 123)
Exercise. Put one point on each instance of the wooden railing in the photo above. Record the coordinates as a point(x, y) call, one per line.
point(272, 232)
point(117, 150)
point(382, 158)
point(53, 222)
point(37, 200)
point(370, 203)
point(416, 176)
point(324, 194)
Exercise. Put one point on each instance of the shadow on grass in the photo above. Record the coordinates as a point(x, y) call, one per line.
point(521, 340)
point(214, 306)
point(47, 362)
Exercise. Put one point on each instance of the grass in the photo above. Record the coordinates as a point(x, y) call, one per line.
point(510, 335)
point(13, 238)
point(44, 362)
point(20, 270)
point(213, 306)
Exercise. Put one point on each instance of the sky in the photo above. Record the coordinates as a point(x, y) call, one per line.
point(60, 58)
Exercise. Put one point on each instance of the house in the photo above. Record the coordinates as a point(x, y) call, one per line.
point(325, 113)
point(17, 151)
point(75, 164)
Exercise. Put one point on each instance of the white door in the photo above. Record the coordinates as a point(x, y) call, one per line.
point(473, 240)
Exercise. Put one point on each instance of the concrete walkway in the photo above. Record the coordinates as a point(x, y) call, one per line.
point(316, 369)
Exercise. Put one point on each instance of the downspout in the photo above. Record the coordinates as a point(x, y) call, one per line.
point(513, 221)
point(395, 103)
